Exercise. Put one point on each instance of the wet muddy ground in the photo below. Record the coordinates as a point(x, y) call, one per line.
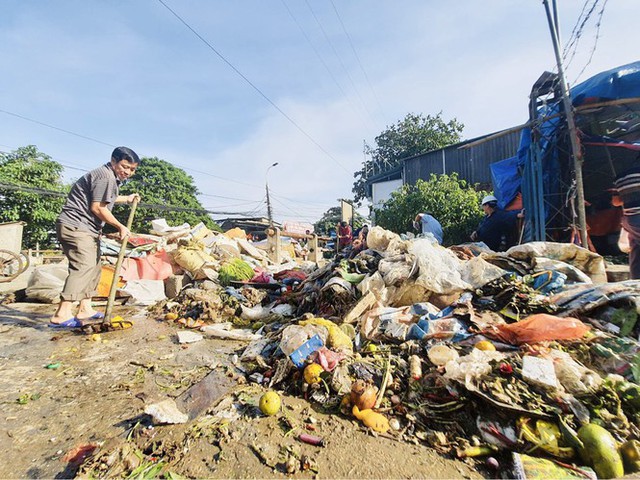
point(65, 394)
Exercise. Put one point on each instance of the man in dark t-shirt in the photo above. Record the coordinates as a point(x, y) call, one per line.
point(496, 226)
point(87, 208)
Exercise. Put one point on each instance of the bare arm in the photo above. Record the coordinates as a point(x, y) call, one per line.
point(100, 210)
point(127, 198)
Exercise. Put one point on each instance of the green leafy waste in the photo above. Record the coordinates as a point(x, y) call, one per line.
point(235, 270)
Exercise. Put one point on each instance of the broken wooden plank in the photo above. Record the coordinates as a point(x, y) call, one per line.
point(200, 396)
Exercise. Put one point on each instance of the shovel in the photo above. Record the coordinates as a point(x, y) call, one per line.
point(107, 320)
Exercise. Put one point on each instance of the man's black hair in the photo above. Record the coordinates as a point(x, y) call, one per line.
point(124, 153)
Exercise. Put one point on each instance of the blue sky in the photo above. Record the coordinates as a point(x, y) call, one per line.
point(128, 72)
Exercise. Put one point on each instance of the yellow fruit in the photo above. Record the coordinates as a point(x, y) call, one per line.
point(485, 345)
point(171, 316)
point(374, 420)
point(270, 403)
point(371, 348)
point(312, 373)
point(600, 451)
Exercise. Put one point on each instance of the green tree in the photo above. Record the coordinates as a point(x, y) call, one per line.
point(331, 218)
point(170, 189)
point(26, 178)
point(413, 135)
point(454, 203)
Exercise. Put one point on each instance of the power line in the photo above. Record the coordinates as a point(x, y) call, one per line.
point(344, 29)
point(174, 163)
point(153, 206)
point(346, 71)
point(260, 92)
point(57, 128)
point(572, 45)
point(595, 42)
point(113, 146)
point(326, 66)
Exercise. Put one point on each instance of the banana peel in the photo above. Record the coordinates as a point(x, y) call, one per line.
point(116, 323)
point(545, 436)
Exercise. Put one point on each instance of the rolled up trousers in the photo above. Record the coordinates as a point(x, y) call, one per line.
point(82, 249)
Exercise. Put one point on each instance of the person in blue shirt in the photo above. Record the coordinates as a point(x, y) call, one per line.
point(497, 227)
point(426, 223)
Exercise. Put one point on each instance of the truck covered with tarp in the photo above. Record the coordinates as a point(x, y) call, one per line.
point(607, 116)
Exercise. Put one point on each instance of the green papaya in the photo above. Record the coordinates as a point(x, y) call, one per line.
point(600, 451)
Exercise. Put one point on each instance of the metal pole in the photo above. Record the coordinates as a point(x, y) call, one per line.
point(269, 206)
point(266, 184)
point(573, 136)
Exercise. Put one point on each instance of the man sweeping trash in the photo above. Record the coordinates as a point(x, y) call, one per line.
point(79, 226)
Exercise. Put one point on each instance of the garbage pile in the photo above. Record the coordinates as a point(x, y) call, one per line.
point(526, 359)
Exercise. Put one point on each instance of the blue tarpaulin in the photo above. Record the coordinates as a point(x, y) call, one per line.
point(615, 84)
point(540, 177)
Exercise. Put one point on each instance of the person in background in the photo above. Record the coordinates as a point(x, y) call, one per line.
point(497, 227)
point(627, 195)
point(79, 226)
point(426, 223)
point(345, 236)
point(360, 243)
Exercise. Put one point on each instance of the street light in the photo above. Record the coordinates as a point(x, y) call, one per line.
point(266, 184)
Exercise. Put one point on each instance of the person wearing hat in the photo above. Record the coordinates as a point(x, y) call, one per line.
point(426, 223)
point(496, 227)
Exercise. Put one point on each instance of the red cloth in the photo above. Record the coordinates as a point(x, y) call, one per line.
point(155, 266)
point(295, 274)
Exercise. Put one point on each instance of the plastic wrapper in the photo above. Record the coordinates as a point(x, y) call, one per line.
point(336, 339)
point(439, 270)
point(395, 270)
point(472, 367)
point(294, 336)
point(573, 376)
point(540, 328)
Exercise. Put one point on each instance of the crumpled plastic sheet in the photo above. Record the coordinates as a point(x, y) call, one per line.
point(439, 269)
point(588, 262)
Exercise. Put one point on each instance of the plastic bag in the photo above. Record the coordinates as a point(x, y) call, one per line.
point(46, 283)
point(144, 292)
point(378, 238)
point(541, 328)
point(439, 268)
point(472, 367)
point(623, 241)
point(337, 339)
point(588, 262)
point(573, 376)
point(294, 336)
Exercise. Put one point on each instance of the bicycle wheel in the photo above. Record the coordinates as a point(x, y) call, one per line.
point(10, 265)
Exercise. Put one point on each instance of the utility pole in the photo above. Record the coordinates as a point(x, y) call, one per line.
point(266, 184)
point(571, 123)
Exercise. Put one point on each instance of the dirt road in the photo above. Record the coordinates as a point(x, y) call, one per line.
point(65, 393)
